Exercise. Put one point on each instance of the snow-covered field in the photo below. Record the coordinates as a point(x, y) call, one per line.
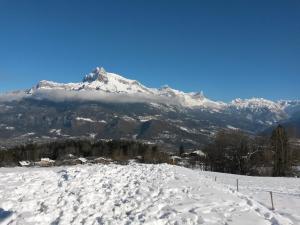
point(138, 194)
point(285, 190)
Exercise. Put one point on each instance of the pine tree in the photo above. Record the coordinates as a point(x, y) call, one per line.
point(181, 150)
point(279, 145)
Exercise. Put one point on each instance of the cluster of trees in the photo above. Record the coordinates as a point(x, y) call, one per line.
point(239, 153)
point(117, 150)
point(232, 151)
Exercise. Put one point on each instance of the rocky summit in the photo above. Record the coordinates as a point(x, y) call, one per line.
point(109, 106)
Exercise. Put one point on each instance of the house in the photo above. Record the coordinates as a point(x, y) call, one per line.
point(82, 160)
point(102, 160)
point(45, 162)
point(24, 163)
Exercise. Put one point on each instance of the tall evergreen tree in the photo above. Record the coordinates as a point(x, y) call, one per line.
point(181, 150)
point(279, 145)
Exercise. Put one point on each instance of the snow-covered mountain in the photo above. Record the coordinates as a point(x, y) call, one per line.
point(256, 104)
point(95, 108)
point(98, 80)
point(101, 82)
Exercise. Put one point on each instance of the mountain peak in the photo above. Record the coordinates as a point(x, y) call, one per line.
point(97, 74)
point(103, 83)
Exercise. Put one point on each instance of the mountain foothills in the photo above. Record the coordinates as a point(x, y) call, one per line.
point(108, 106)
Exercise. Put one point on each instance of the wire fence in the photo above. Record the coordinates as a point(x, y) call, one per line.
point(242, 185)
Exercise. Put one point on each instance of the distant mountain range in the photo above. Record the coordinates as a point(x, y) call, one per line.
point(108, 106)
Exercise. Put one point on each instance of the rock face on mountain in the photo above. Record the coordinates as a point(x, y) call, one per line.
point(108, 106)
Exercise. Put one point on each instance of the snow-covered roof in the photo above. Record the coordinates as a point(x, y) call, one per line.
point(199, 152)
point(47, 160)
point(175, 157)
point(83, 160)
point(24, 163)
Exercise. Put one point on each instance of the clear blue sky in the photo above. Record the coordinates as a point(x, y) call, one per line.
point(228, 48)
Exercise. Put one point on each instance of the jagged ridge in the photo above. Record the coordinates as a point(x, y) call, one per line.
point(101, 82)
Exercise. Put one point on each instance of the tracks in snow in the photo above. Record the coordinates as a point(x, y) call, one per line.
point(132, 194)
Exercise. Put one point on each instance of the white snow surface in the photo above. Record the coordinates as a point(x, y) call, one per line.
point(110, 83)
point(85, 119)
point(9, 128)
point(105, 86)
point(255, 103)
point(285, 190)
point(55, 131)
point(131, 194)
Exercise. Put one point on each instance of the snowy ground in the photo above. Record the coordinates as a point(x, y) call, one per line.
point(286, 191)
point(132, 194)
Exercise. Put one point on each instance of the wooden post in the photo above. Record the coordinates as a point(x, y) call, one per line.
point(215, 178)
point(237, 184)
point(271, 194)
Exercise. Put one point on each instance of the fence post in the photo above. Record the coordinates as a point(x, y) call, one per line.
point(215, 178)
point(271, 194)
point(237, 184)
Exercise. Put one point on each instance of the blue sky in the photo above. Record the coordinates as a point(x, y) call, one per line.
point(228, 49)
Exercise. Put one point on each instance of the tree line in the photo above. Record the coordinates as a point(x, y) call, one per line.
point(237, 152)
point(117, 150)
point(231, 151)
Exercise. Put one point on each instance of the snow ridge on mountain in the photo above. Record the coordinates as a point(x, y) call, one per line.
point(104, 82)
point(95, 105)
point(100, 82)
point(255, 104)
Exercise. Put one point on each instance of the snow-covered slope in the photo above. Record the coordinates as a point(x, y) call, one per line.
point(98, 80)
point(285, 190)
point(131, 194)
point(110, 83)
point(259, 109)
point(100, 84)
point(256, 104)
point(290, 106)
point(104, 82)
point(101, 80)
